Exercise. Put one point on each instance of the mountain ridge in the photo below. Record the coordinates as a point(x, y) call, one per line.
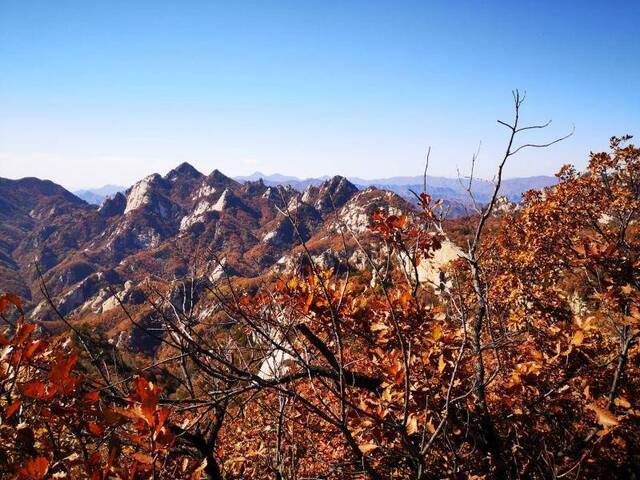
point(448, 188)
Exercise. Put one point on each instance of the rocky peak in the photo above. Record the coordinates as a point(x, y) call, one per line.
point(184, 170)
point(226, 200)
point(144, 192)
point(334, 193)
point(254, 189)
point(113, 206)
point(217, 178)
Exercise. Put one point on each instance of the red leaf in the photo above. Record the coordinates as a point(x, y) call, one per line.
point(148, 394)
point(34, 468)
point(5, 300)
point(23, 332)
point(95, 429)
point(34, 389)
point(92, 397)
point(11, 409)
point(31, 349)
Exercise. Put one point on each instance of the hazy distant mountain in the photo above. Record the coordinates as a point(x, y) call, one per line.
point(449, 189)
point(96, 196)
point(277, 179)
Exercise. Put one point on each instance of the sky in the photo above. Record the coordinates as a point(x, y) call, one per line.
point(106, 92)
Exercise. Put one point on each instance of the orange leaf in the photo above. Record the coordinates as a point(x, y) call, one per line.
point(604, 416)
point(437, 333)
point(441, 363)
point(142, 458)
point(622, 402)
point(578, 338)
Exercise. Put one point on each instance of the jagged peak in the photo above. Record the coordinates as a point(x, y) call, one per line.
point(332, 194)
point(184, 170)
point(139, 194)
point(219, 177)
point(254, 188)
point(338, 182)
point(113, 205)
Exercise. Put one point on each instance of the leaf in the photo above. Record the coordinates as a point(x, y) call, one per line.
point(622, 402)
point(5, 300)
point(23, 332)
point(148, 394)
point(196, 473)
point(92, 397)
point(378, 327)
point(11, 409)
point(31, 349)
point(412, 424)
point(578, 338)
point(34, 469)
point(437, 333)
point(441, 363)
point(368, 447)
point(95, 429)
point(143, 458)
point(34, 389)
point(604, 416)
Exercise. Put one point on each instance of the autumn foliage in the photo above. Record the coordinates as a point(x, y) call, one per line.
point(521, 363)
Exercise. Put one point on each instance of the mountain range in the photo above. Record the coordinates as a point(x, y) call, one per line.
point(183, 224)
point(449, 189)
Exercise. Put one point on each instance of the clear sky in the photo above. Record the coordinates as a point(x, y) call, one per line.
point(96, 92)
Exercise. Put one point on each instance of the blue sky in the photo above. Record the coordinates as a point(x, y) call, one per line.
point(107, 92)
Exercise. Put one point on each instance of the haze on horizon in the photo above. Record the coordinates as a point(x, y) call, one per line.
point(95, 94)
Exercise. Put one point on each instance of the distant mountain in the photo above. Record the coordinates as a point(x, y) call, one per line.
point(452, 190)
point(277, 179)
point(96, 196)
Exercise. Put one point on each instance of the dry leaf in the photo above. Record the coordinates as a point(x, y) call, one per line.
point(441, 363)
point(622, 402)
point(368, 447)
point(578, 338)
point(604, 416)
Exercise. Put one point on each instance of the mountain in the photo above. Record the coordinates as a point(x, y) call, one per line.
point(452, 190)
point(96, 196)
point(164, 228)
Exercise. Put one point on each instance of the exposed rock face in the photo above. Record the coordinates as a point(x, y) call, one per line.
point(163, 222)
point(113, 206)
point(431, 271)
point(329, 196)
